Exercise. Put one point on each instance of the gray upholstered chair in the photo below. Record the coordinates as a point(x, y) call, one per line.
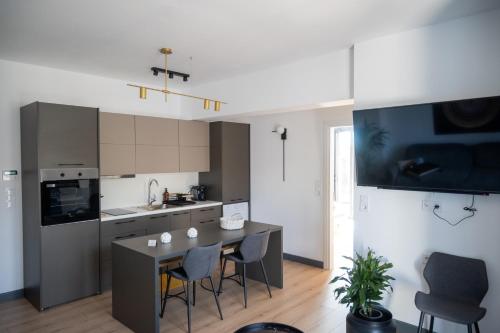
point(198, 263)
point(252, 249)
point(457, 287)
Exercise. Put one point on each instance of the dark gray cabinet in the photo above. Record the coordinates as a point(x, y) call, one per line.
point(229, 177)
point(158, 223)
point(205, 216)
point(70, 264)
point(181, 220)
point(67, 136)
point(112, 231)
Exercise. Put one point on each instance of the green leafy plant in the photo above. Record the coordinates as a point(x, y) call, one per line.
point(365, 283)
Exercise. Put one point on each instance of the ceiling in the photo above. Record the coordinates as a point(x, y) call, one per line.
point(211, 39)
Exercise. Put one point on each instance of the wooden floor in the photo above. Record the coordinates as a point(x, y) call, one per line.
point(305, 302)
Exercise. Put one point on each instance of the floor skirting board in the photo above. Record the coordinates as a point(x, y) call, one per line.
point(15, 294)
point(302, 260)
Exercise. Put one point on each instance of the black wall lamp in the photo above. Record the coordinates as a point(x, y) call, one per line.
point(282, 132)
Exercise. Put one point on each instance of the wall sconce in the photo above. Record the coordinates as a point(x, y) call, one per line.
point(282, 132)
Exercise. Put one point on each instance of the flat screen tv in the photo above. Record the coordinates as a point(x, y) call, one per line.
point(438, 147)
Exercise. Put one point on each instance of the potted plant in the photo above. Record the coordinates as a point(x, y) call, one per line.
point(364, 285)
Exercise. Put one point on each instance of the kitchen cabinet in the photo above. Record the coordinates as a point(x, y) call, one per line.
point(158, 223)
point(194, 148)
point(194, 159)
point(229, 177)
point(115, 128)
point(117, 159)
point(157, 145)
point(180, 220)
point(156, 131)
point(117, 144)
point(117, 230)
point(193, 133)
point(156, 159)
point(67, 136)
point(204, 216)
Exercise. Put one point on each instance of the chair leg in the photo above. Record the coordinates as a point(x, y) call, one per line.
point(194, 293)
point(421, 322)
point(431, 325)
point(469, 328)
point(222, 276)
point(245, 283)
point(265, 277)
point(188, 296)
point(216, 298)
point(166, 296)
point(476, 326)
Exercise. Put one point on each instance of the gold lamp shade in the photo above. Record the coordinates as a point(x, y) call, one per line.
point(206, 104)
point(217, 106)
point(142, 92)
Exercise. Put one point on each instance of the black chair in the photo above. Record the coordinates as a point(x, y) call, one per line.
point(457, 287)
point(252, 249)
point(198, 263)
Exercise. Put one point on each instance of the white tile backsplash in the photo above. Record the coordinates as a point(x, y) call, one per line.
point(129, 192)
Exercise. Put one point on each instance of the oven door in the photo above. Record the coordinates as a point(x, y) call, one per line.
point(69, 200)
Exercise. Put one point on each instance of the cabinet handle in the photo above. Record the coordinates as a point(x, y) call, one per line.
point(128, 236)
point(176, 214)
point(123, 222)
point(207, 221)
point(240, 199)
point(70, 164)
point(206, 210)
point(158, 217)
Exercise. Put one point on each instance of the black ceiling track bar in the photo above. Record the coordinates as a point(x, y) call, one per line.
point(170, 73)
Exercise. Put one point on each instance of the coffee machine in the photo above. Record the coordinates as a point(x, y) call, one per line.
point(199, 192)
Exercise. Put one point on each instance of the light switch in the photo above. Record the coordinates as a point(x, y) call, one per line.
point(363, 203)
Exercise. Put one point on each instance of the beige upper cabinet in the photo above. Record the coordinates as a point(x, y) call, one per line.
point(117, 142)
point(156, 131)
point(157, 145)
point(116, 128)
point(194, 142)
point(194, 133)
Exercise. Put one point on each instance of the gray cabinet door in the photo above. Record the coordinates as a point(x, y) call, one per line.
point(70, 262)
point(181, 220)
point(116, 128)
point(235, 162)
point(158, 224)
point(205, 216)
point(156, 131)
point(67, 136)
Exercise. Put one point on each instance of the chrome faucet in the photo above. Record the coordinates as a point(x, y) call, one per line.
point(152, 198)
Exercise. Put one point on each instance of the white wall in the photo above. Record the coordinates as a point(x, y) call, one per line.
point(455, 60)
point(306, 83)
point(297, 203)
point(21, 84)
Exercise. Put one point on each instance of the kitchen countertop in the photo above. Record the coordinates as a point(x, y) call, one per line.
point(143, 212)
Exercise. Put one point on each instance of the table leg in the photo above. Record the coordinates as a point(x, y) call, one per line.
point(273, 262)
point(135, 296)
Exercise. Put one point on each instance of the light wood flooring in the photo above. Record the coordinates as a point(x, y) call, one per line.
point(305, 302)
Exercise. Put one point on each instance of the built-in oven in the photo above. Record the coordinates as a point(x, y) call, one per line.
point(69, 195)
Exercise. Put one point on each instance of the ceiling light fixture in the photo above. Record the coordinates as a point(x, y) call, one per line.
point(143, 89)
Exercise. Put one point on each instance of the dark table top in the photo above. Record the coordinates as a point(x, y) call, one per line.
point(180, 243)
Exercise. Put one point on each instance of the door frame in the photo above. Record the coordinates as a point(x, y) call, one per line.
point(343, 118)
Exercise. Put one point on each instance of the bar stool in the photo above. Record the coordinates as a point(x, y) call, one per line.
point(252, 249)
point(198, 263)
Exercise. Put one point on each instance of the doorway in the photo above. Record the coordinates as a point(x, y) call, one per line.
point(340, 203)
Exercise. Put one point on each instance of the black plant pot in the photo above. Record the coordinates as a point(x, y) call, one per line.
point(381, 323)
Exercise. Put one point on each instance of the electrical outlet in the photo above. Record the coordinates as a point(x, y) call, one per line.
point(363, 203)
point(428, 205)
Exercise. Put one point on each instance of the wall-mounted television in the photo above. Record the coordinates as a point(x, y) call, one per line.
point(449, 146)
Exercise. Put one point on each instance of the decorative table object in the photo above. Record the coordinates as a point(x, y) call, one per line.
point(166, 237)
point(192, 233)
